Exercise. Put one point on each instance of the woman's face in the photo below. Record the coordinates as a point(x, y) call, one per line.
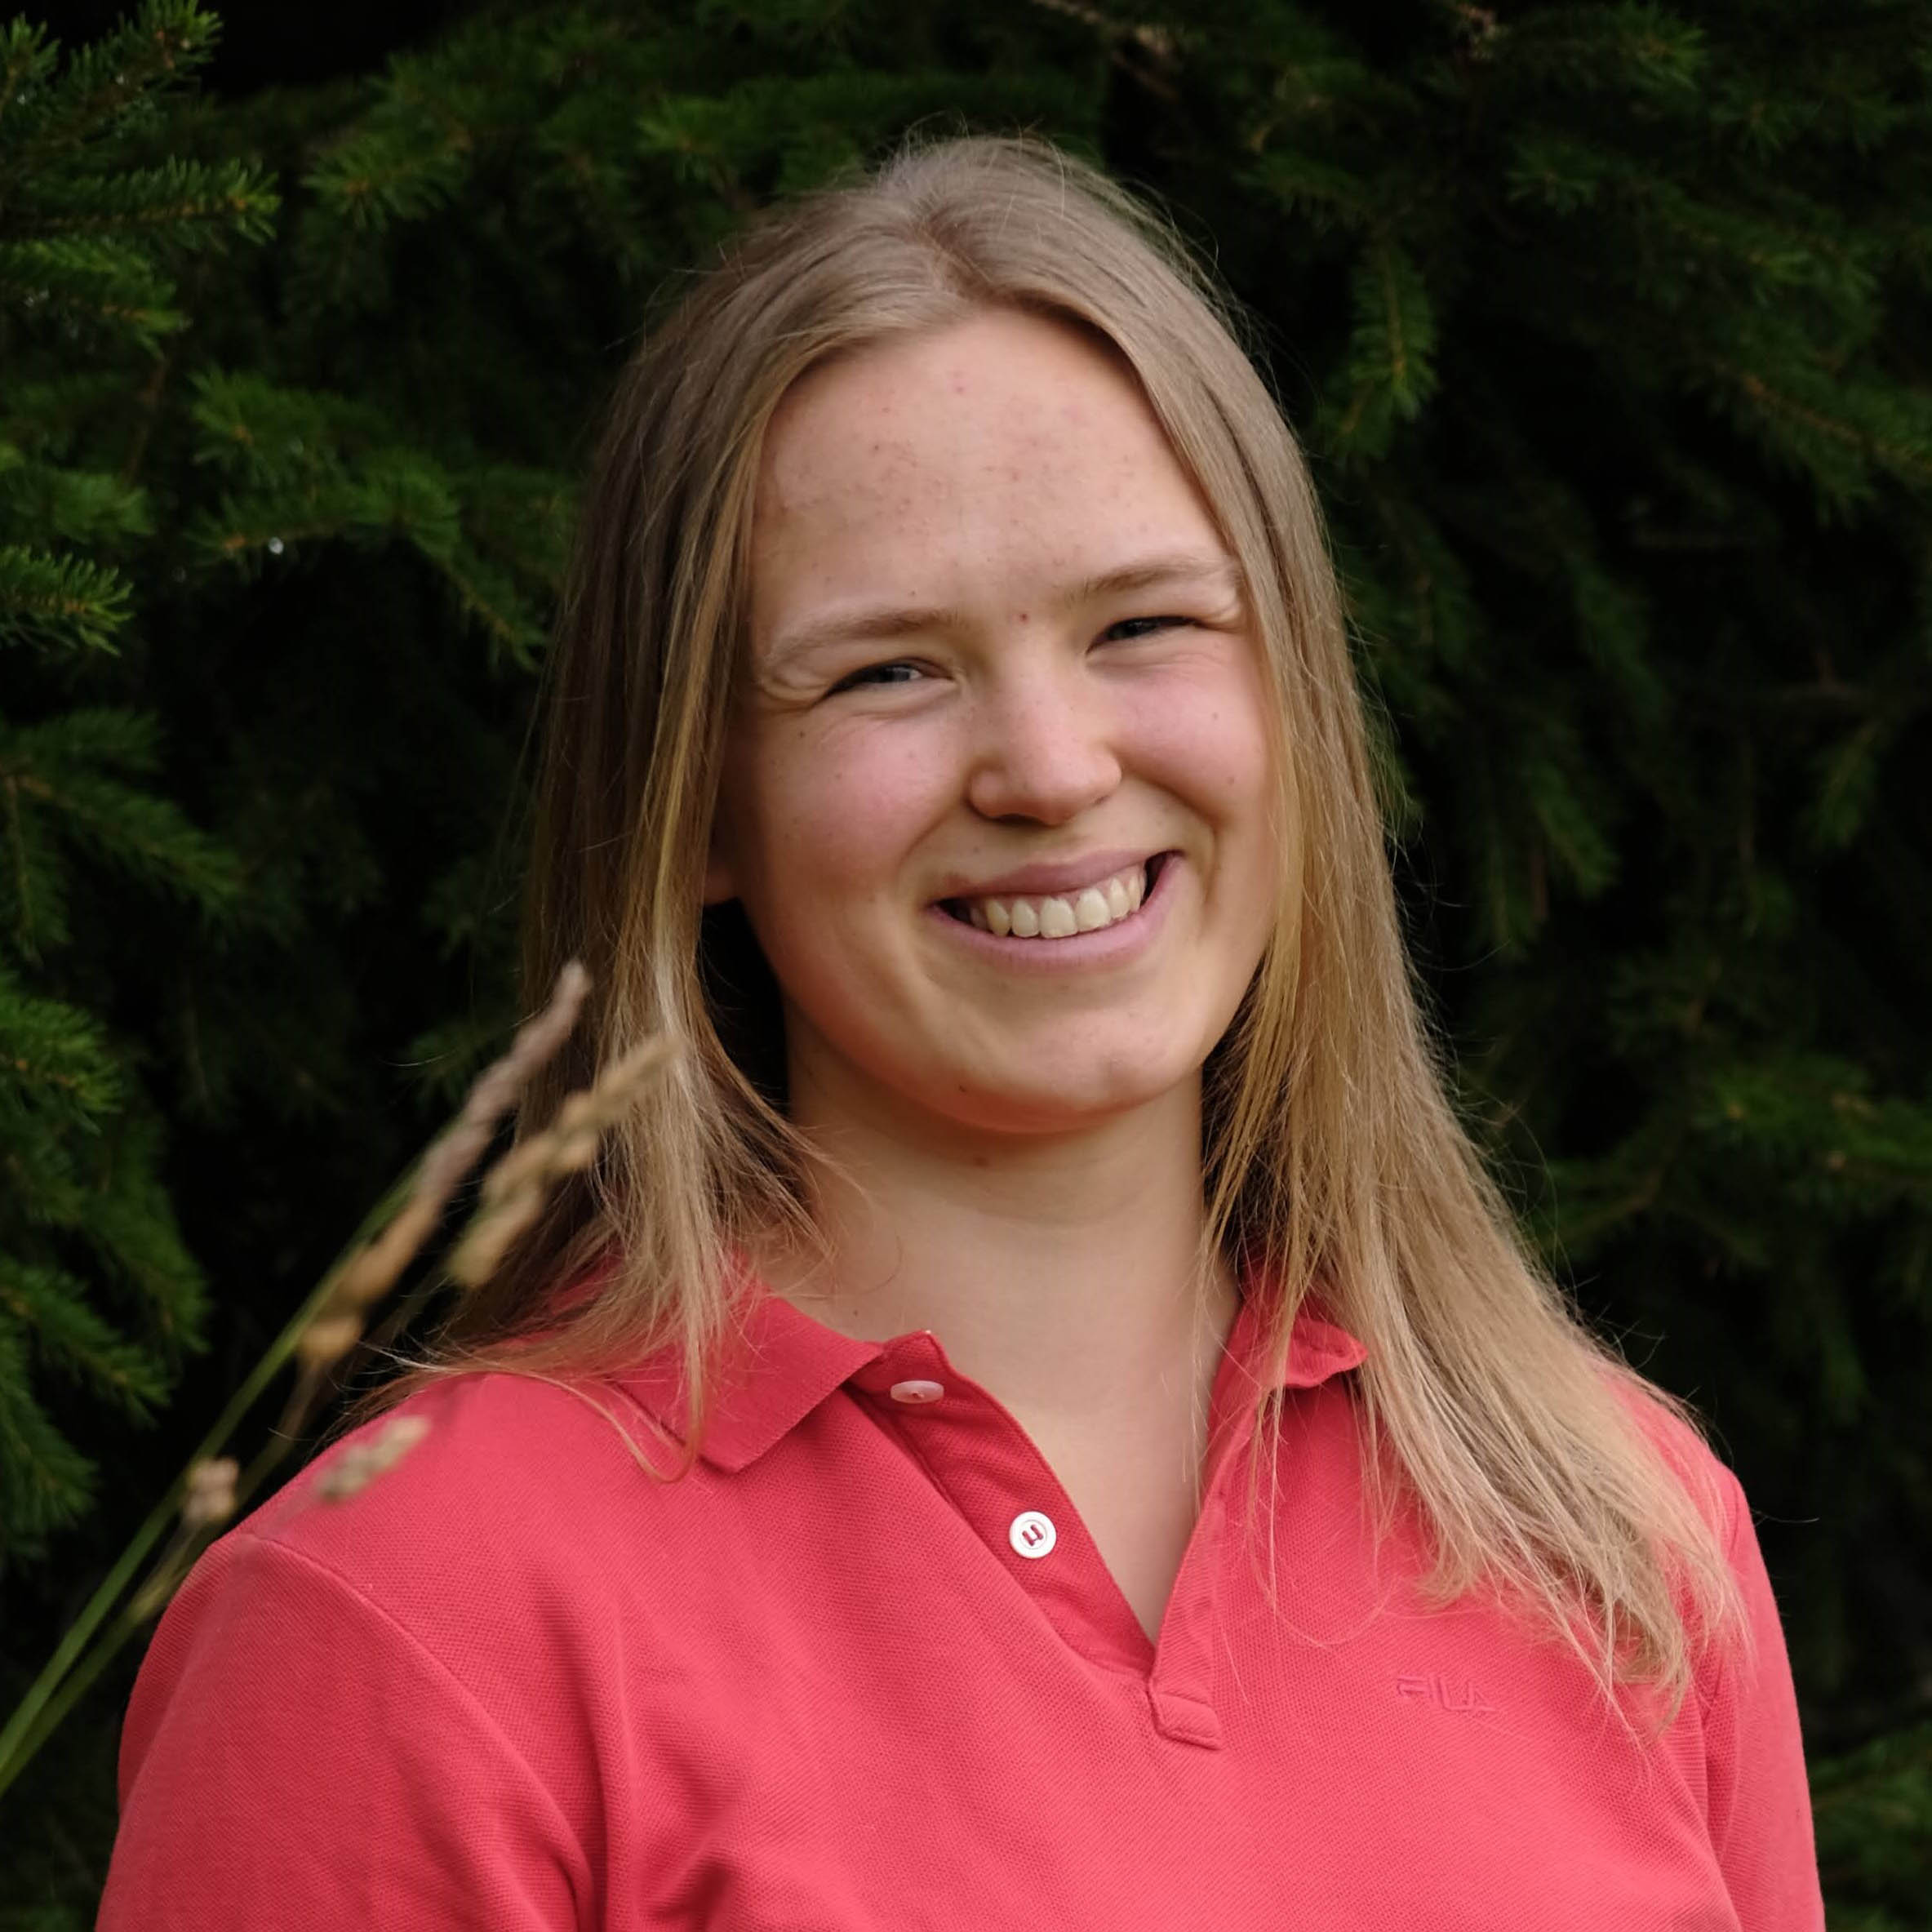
point(996, 795)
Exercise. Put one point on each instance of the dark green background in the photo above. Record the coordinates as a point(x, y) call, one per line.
point(1606, 327)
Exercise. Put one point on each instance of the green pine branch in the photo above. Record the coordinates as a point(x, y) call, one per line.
point(1649, 52)
point(54, 1058)
point(68, 770)
point(182, 204)
point(63, 603)
point(28, 60)
point(161, 46)
point(71, 505)
point(1389, 372)
point(130, 1228)
point(1872, 1812)
point(49, 1306)
point(494, 537)
point(389, 173)
point(45, 1481)
point(44, 415)
point(95, 281)
point(1842, 433)
point(275, 436)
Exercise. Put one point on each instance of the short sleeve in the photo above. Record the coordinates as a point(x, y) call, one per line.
point(292, 1758)
point(1759, 1801)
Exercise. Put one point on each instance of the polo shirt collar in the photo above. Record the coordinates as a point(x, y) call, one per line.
point(788, 1363)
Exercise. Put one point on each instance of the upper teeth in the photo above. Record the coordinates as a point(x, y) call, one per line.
point(1061, 915)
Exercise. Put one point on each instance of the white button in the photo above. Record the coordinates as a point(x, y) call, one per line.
point(916, 1391)
point(1032, 1534)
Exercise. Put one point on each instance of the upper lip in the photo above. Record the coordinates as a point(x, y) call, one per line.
point(1050, 876)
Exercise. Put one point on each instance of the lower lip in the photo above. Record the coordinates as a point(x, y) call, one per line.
point(1111, 945)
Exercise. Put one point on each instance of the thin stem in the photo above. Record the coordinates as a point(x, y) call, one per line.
point(71, 1690)
point(399, 1222)
point(22, 1734)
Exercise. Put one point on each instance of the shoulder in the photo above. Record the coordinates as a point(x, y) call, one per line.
point(334, 1657)
point(1668, 1426)
point(1744, 1717)
point(481, 1573)
point(485, 1495)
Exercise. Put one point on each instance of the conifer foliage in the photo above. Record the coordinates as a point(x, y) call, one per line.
point(99, 223)
point(1604, 325)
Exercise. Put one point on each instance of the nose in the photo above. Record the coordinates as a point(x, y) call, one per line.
point(1044, 747)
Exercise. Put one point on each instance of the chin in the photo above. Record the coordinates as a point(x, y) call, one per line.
point(1050, 1099)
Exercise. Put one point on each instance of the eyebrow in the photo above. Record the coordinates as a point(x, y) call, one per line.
point(882, 622)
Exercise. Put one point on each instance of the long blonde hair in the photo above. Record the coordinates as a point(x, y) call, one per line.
point(1334, 1164)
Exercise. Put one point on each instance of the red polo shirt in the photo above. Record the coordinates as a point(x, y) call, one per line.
point(865, 1668)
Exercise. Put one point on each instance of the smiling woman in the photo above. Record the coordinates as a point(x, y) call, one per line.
point(1011, 478)
point(954, 746)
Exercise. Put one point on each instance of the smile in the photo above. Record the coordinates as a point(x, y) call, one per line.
point(1061, 915)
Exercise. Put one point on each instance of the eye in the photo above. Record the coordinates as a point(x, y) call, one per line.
point(898, 671)
point(1156, 624)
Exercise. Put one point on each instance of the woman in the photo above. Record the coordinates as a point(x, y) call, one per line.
point(1089, 1449)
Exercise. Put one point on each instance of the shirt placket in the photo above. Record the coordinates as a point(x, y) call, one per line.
point(990, 1469)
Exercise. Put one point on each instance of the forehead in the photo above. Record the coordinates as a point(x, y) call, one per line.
point(994, 454)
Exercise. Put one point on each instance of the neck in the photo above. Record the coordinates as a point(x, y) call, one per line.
point(1059, 1270)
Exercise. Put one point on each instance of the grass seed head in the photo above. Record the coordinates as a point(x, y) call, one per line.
point(328, 1339)
point(361, 1462)
point(210, 1497)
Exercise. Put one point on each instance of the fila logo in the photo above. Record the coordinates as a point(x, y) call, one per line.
point(1436, 1690)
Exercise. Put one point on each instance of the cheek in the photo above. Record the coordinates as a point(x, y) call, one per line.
point(1207, 743)
point(835, 813)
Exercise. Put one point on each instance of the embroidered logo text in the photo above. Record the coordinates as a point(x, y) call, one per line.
point(1464, 1700)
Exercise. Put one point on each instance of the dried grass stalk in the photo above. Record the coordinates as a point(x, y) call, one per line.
point(361, 1462)
point(328, 1325)
point(336, 1324)
point(513, 1190)
point(210, 1497)
point(374, 1271)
